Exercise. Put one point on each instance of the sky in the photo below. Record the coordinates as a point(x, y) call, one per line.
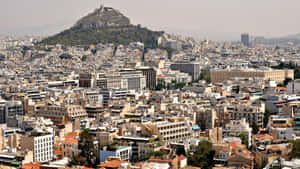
point(204, 19)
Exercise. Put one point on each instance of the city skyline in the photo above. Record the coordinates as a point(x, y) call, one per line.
point(206, 20)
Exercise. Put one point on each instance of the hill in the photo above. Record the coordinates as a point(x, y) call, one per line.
point(282, 40)
point(104, 25)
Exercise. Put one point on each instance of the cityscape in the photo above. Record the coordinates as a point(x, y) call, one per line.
point(110, 94)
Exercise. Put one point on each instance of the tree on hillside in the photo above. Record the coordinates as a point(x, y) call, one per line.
point(295, 153)
point(205, 76)
point(244, 139)
point(203, 157)
point(286, 81)
point(255, 128)
point(155, 154)
point(266, 117)
point(87, 156)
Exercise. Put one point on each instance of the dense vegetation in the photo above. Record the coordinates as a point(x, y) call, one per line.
point(295, 150)
point(266, 117)
point(203, 157)
point(205, 75)
point(255, 128)
point(244, 139)
point(155, 154)
point(118, 35)
point(87, 155)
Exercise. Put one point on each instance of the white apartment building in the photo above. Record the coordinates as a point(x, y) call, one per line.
point(122, 152)
point(42, 146)
point(237, 127)
point(252, 113)
point(174, 130)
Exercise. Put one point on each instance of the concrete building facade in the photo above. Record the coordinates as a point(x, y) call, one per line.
point(265, 74)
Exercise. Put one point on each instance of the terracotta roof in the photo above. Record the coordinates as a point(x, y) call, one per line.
point(139, 164)
point(57, 152)
point(162, 76)
point(71, 135)
point(71, 141)
point(260, 136)
point(281, 88)
point(160, 160)
point(112, 164)
point(234, 144)
point(31, 166)
point(182, 157)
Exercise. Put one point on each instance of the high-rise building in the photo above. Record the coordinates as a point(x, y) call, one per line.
point(10, 111)
point(205, 118)
point(133, 80)
point(245, 39)
point(86, 80)
point(150, 75)
point(129, 79)
point(193, 69)
point(112, 94)
point(2, 111)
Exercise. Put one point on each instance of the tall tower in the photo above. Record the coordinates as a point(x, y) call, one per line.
point(245, 39)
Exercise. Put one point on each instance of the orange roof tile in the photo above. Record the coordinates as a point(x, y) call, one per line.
point(182, 157)
point(281, 88)
point(160, 160)
point(70, 141)
point(112, 164)
point(71, 135)
point(139, 164)
point(260, 136)
point(31, 166)
point(162, 76)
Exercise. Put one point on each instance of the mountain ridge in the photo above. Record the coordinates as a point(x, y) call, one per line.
point(104, 25)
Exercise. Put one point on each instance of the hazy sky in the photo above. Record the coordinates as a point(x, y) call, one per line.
point(211, 19)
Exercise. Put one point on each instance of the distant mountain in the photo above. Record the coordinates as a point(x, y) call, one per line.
point(282, 40)
point(104, 25)
point(296, 36)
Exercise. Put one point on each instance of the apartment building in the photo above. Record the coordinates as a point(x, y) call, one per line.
point(193, 69)
point(205, 118)
point(237, 127)
point(133, 80)
point(252, 113)
point(122, 152)
point(126, 79)
point(112, 94)
point(86, 80)
point(140, 146)
point(113, 80)
point(10, 110)
point(61, 113)
point(70, 147)
point(150, 75)
point(296, 125)
point(42, 145)
point(265, 74)
point(281, 128)
point(174, 129)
